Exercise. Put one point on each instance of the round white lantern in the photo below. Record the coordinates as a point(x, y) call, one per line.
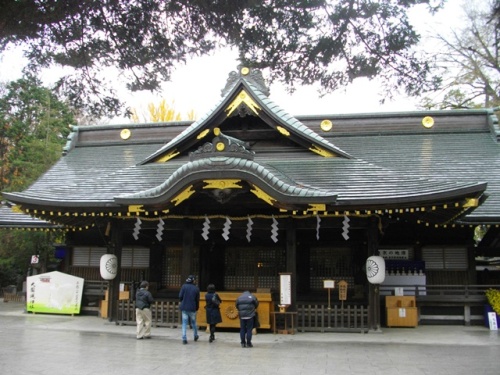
point(375, 269)
point(109, 266)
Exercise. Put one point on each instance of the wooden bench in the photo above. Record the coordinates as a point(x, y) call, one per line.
point(448, 304)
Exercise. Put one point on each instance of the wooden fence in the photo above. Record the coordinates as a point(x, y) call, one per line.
point(320, 318)
point(311, 318)
point(437, 304)
point(10, 293)
point(165, 313)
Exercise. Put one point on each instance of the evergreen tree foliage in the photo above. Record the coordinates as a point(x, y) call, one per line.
point(330, 42)
point(34, 125)
point(33, 130)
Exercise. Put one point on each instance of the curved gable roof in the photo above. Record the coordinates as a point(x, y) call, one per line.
point(263, 177)
point(255, 101)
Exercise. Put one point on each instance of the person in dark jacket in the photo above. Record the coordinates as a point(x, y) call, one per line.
point(143, 301)
point(246, 304)
point(189, 297)
point(212, 306)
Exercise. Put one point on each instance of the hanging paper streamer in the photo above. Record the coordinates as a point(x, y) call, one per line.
point(318, 222)
point(345, 227)
point(249, 229)
point(159, 230)
point(226, 229)
point(274, 230)
point(206, 228)
point(137, 228)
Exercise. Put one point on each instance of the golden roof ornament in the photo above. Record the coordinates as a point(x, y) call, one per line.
point(125, 134)
point(428, 122)
point(326, 125)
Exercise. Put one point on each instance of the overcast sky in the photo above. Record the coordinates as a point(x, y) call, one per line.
point(198, 84)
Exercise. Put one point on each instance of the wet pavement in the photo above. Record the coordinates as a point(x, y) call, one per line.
point(84, 345)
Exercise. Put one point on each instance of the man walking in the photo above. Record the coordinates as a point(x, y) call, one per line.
point(189, 297)
point(143, 301)
point(246, 304)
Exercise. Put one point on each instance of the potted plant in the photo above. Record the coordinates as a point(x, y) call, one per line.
point(493, 297)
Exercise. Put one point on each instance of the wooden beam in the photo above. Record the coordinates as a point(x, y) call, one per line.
point(291, 258)
point(187, 248)
point(373, 290)
point(114, 285)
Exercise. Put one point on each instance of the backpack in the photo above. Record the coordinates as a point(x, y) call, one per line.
point(215, 300)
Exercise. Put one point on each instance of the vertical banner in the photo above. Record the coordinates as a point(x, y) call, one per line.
point(492, 317)
point(285, 289)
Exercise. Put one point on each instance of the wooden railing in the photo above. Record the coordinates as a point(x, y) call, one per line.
point(455, 304)
point(311, 318)
point(10, 293)
point(165, 313)
point(463, 304)
point(320, 318)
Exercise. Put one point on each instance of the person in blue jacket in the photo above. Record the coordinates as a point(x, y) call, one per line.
point(246, 304)
point(212, 306)
point(189, 297)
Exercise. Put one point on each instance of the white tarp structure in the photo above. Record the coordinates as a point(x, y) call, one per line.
point(54, 292)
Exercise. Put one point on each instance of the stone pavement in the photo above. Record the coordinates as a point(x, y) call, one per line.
point(60, 344)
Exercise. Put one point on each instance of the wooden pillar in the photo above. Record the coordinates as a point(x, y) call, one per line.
point(114, 285)
point(291, 258)
point(373, 289)
point(187, 249)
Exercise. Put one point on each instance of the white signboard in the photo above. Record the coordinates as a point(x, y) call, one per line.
point(285, 289)
point(54, 292)
point(329, 284)
point(492, 318)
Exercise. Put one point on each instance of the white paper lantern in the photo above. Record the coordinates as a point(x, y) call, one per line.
point(109, 266)
point(375, 269)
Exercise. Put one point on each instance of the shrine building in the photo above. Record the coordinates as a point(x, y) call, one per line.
point(249, 192)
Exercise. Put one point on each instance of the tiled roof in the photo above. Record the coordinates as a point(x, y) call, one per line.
point(385, 159)
point(12, 219)
point(462, 146)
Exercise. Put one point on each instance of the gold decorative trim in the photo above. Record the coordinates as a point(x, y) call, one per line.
point(125, 134)
point(222, 184)
point(242, 97)
point(244, 71)
point(183, 196)
point(135, 208)
point(259, 193)
point(203, 134)
point(317, 207)
point(168, 156)
point(326, 125)
point(471, 202)
point(283, 131)
point(428, 122)
point(321, 151)
point(231, 312)
point(220, 146)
